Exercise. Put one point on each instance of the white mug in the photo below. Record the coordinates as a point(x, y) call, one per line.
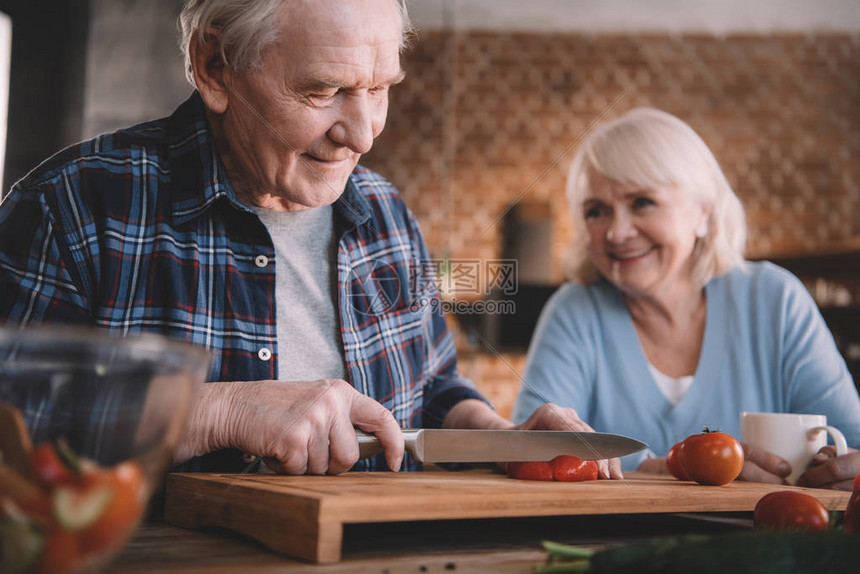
point(794, 437)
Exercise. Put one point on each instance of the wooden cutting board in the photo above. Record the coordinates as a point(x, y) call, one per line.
point(303, 516)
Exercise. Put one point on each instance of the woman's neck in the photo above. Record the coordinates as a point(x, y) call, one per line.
point(671, 328)
point(672, 307)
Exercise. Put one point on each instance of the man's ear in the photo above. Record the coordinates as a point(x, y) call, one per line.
point(211, 73)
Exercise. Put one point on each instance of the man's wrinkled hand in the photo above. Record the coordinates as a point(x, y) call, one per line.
point(298, 427)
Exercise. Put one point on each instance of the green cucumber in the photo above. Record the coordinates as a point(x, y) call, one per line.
point(76, 508)
point(67, 456)
point(20, 545)
point(760, 552)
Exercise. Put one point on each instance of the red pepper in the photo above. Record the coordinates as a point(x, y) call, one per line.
point(48, 467)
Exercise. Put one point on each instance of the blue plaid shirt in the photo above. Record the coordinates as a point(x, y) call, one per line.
point(140, 231)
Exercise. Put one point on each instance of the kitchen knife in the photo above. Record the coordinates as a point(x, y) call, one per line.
point(460, 445)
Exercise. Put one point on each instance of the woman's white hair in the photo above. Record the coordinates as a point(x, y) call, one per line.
point(247, 27)
point(648, 148)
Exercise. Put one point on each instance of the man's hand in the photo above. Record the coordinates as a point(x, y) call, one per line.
point(477, 414)
point(299, 427)
point(830, 471)
point(763, 466)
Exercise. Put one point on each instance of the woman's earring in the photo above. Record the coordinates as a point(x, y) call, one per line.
point(702, 231)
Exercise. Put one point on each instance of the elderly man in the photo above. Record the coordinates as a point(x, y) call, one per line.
point(243, 223)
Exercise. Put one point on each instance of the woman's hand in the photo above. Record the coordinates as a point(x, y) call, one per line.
point(476, 414)
point(830, 471)
point(763, 466)
point(654, 465)
point(299, 426)
point(554, 417)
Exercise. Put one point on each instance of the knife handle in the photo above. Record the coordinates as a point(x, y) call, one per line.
point(369, 445)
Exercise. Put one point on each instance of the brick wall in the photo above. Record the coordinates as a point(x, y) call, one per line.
point(484, 119)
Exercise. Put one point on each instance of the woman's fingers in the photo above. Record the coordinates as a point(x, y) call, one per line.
point(615, 469)
point(832, 472)
point(763, 466)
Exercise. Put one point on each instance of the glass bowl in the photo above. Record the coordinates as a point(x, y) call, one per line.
point(89, 422)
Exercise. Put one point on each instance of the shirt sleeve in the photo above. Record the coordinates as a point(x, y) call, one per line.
point(558, 366)
point(816, 376)
point(38, 280)
point(445, 387)
point(96, 413)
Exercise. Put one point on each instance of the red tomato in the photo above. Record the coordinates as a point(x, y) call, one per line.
point(790, 510)
point(61, 552)
point(569, 468)
point(673, 461)
point(122, 513)
point(852, 511)
point(48, 467)
point(530, 470)
point(712, 457)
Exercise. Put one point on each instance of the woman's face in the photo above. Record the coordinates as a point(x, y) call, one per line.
point(641, 239)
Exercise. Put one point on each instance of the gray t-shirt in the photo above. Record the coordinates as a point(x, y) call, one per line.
point(309, 341)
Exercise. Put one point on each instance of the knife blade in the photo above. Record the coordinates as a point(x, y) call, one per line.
point(461, 445)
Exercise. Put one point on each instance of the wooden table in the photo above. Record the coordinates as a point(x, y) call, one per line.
point(505, 545)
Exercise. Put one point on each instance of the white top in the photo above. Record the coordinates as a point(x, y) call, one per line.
point(310, 346)
point(673, 389)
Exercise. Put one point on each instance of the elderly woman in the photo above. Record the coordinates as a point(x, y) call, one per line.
point(666, 327)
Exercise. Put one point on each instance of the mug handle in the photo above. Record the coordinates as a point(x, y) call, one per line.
point(835, 434)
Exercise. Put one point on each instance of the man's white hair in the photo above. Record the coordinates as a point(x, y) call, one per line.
point(247, 27)
point(650, 148)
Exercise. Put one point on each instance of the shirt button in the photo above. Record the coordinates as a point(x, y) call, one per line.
point(265, 354)
point(261, 261)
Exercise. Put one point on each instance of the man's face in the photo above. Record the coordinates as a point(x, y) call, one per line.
point(295, 129)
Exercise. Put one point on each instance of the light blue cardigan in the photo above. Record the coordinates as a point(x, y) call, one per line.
point(766, 348)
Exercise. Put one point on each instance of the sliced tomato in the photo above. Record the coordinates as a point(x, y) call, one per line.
point(532, 470)
point(569, 468)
